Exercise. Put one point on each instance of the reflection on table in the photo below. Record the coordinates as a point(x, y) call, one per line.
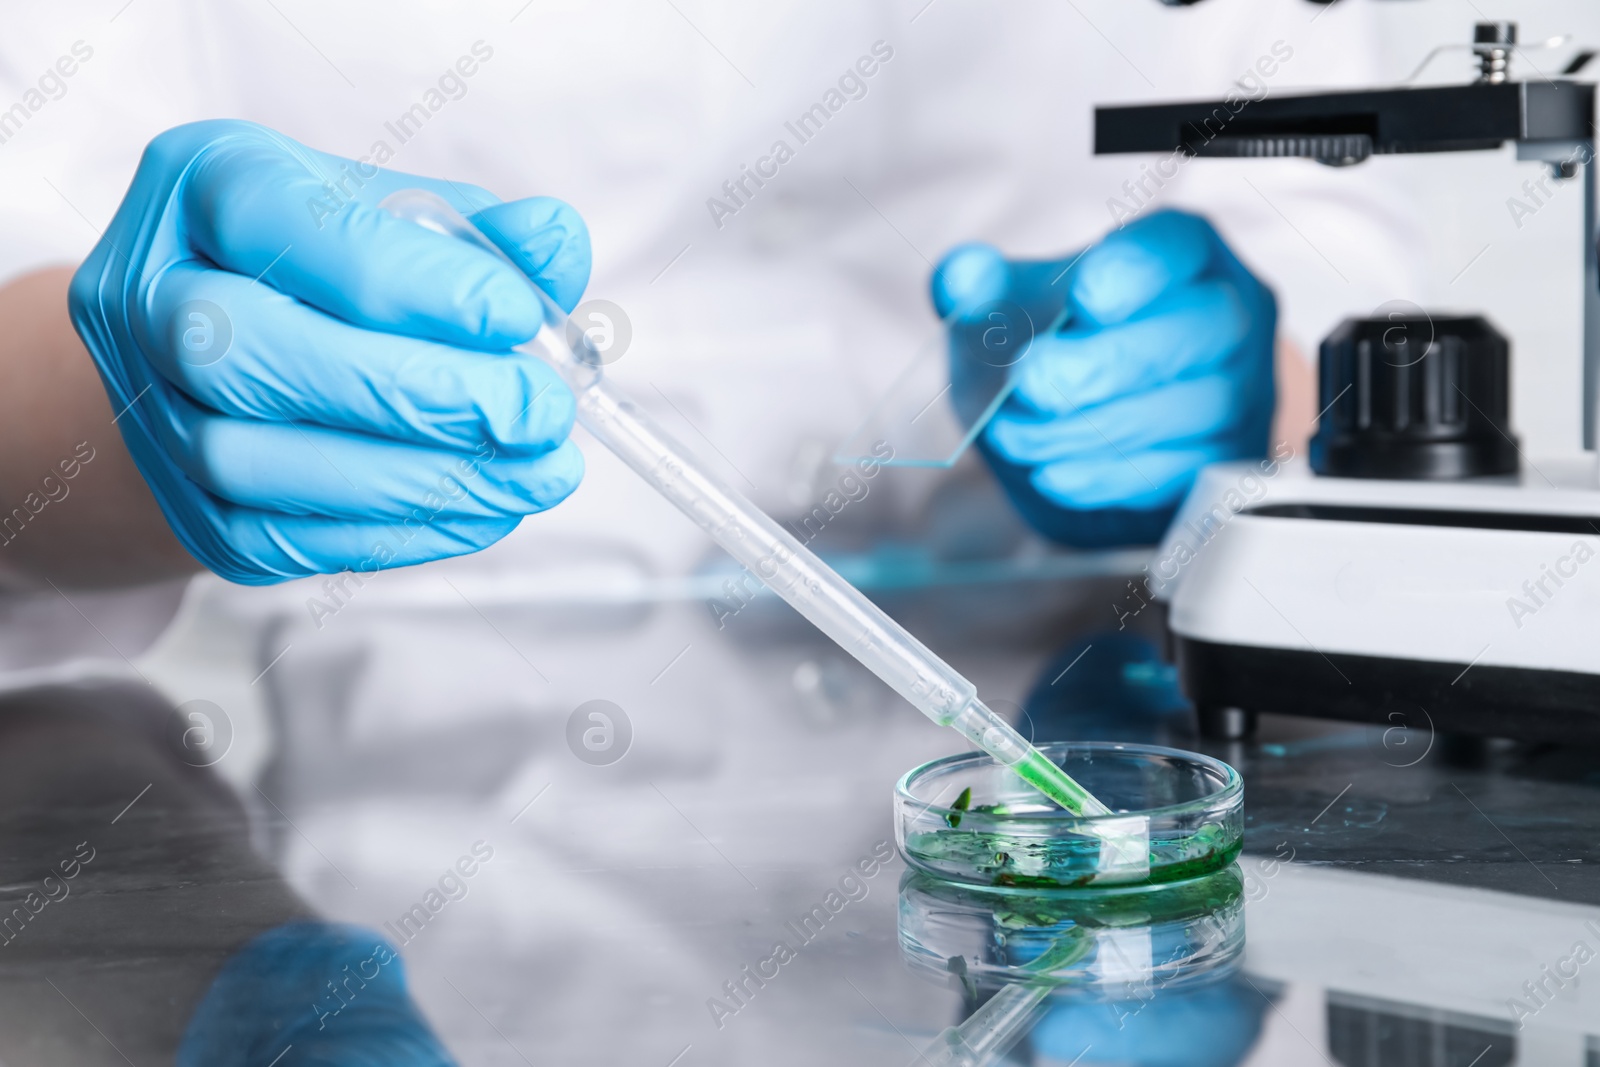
point(1389, 909)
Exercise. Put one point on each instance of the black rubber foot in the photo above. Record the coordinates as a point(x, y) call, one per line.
point(1463, 751)
point(1226, 724)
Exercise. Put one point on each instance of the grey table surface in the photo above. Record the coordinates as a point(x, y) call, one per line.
point(1426, 890)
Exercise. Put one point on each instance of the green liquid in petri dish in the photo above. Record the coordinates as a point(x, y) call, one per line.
point(1066, 862)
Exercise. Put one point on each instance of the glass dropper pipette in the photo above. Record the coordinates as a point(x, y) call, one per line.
point(750, 536)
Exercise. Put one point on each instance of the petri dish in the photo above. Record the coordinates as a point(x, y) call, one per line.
point(1099, 942)
point(1175, 816)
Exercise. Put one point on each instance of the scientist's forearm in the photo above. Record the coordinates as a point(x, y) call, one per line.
point(73, 508)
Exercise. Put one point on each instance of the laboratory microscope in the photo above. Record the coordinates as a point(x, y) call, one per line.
point(1422, 571)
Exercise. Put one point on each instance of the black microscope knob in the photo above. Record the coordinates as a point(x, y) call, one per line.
point(1414, 397)
point(1494, 33)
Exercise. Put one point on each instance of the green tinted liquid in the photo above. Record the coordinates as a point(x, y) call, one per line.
point(1039, 771)
point(1067, 862)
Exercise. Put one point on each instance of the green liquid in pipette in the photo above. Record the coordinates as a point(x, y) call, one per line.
point(1070, 948)
point(1039, 771)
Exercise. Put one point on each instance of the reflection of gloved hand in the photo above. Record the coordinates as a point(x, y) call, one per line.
point(1213, 1026)
point(311, 993)
point(1164, 364)
point(1109, 686)
point(310, 385)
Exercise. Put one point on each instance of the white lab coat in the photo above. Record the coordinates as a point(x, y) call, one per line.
point(761, 337)
point(764, 336)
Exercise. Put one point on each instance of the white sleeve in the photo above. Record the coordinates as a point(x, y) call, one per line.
point(79, 99)
point(41, 152)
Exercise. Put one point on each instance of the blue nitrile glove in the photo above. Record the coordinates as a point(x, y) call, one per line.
point(1163, 365)
point(1212, 1026)
point(311, 385)
point(311, 994)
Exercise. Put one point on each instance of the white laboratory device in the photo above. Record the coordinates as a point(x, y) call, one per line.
point(1420, 571)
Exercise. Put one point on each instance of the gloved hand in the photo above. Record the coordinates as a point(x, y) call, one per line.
point(311, 385)
point(1162, 365)
point(311, 993)
point(1210, 1026)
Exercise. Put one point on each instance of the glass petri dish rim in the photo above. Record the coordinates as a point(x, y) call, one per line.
point(1232, 787)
